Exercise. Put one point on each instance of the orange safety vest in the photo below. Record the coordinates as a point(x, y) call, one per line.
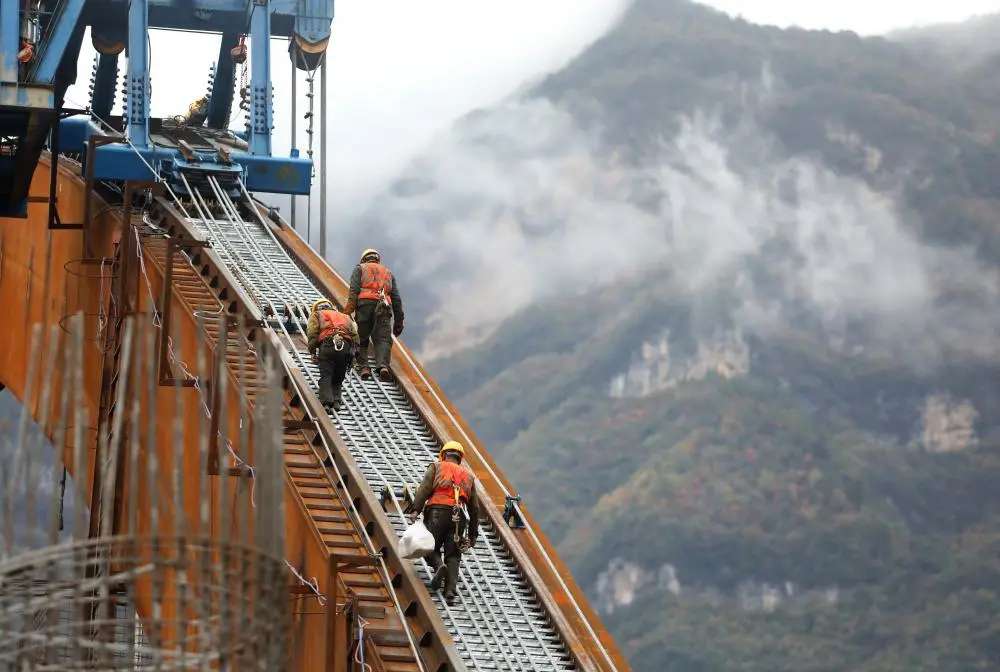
point(334, 322)
point(452, 485)
point(376, 281)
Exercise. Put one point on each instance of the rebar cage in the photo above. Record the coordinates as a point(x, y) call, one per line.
point(162, 567)
point(210, 605)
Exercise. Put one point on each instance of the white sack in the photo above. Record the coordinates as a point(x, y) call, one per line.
point(416, 542)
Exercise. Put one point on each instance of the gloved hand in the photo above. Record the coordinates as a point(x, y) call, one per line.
point(397, 328)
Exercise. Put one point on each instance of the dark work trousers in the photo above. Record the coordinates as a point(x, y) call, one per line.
point(438, 521)
point(333, 365)
point(374, 320)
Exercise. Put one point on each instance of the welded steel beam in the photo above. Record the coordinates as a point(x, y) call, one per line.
point(105, 84)
point(138, 74)
point(10, 40)
point(220, 103)
point(57, 38)
point(260, 79)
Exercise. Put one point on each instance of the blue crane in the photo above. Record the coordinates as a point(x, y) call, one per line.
point(40, 42)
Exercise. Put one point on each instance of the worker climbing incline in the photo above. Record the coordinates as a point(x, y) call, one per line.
point(333, 338)
point(447, 497)
point(374, 300)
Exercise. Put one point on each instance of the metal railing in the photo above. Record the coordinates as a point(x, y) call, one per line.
point(497, 622)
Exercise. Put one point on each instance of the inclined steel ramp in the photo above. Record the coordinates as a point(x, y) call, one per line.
point(498, 621)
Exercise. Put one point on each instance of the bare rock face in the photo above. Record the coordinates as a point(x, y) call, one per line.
point(622, 581)
point(667, 579)
point(948, 424)
point(656, 367)
point(762, 597)
point(618, 585)
point(869, 156)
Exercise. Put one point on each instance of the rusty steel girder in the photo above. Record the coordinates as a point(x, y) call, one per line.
point(376, 545)
point(590, 643)
point(335, 525)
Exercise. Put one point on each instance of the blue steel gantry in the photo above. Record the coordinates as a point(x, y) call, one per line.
point(40, 42)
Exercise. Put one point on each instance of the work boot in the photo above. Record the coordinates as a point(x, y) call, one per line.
point(439, 577)
point(384, 374)
point(365, 373)
point(451, 580)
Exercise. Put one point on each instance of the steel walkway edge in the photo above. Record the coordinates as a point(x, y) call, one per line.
point(518, 607)
point(565, 602)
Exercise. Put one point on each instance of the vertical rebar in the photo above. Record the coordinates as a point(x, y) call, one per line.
point(22, 431)
point(156, 631)
point(204, 604)
point(111, 444)
point(182, 530)
point(36, 527)
point(220, 388)
point(80, 461)
point(243, 450)
point(270, 511)
point(59, 435)
point(57, 374)
point(131, 497)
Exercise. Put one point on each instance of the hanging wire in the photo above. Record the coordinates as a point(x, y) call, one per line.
point(313, 585)
point(174, 359)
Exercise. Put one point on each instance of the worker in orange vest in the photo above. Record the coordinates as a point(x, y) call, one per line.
point(447, 497)
point(374, 300)
point(333, 338)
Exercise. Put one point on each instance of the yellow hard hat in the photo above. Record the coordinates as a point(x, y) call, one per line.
point(320, 302)
point(371, 252)
point(452, 447)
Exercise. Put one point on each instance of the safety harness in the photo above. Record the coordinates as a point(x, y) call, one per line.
point(453, 486)
point(334, 327)
point(375, 281)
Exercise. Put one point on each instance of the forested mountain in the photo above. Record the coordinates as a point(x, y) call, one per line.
point(724, 301)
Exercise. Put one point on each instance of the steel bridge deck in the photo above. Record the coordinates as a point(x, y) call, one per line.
point(497, 621)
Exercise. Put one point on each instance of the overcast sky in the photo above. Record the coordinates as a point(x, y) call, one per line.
point(868, 17)
point(401, 70)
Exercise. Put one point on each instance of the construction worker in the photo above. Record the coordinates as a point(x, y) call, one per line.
point(333, 338)
point(374, 299)
point(197, 112)
point(447, 498)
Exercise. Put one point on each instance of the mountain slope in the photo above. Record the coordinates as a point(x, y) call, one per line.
point(724, 300)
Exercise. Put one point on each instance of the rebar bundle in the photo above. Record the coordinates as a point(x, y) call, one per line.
point(158, 561)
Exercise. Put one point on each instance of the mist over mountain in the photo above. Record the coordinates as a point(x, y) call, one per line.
point(724, 300)
point(820, 177)
point(970, 44)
